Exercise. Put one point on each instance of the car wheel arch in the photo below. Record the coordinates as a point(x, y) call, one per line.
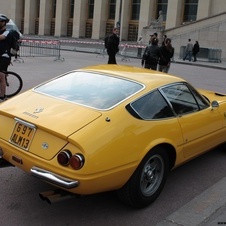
point(169, 148)
point(152, 172)
point(171, 152)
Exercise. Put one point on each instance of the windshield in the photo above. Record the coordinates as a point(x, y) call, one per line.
point(90, 89)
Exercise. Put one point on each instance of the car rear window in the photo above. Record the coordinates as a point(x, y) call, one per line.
point(90, 89)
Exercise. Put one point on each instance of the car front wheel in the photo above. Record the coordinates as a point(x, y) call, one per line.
point(148, 180)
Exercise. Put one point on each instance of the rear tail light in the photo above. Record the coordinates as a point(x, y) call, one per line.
point(65, 158)
point(77, 161)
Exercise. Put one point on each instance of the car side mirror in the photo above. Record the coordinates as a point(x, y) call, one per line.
point(214, 104)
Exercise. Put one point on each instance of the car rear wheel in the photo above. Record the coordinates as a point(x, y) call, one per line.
point(148, 180)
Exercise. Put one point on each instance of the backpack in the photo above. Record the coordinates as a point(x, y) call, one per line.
point(106, 41)
point(13, 40)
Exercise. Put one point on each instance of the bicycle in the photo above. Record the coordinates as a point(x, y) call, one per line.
point(14, 83)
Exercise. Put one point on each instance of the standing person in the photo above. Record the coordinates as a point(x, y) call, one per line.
point(145, 50)
point(164, 39)
point(113, 46)
point(151, 55)
point(188, 50)
point(139, 50)
point(167, 52)
point(5, 57)
point(195, 50)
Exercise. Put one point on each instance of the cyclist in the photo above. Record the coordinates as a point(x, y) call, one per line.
point(5, 57)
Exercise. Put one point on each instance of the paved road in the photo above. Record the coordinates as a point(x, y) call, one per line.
point(21, 206)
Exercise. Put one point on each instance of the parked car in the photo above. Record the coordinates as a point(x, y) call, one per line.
point(109, 127)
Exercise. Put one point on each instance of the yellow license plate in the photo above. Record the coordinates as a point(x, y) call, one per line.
point(22, 134)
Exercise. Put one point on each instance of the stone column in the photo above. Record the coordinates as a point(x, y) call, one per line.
point(99, 19)
point(174, 15)
point(62, 13)
point(45, 17)
point(125, 17)
point(204, 7)
point(147, 13)
point(79, 20)
point(30, 14)
point(14, 11)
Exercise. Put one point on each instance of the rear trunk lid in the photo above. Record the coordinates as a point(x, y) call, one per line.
point(49, 120)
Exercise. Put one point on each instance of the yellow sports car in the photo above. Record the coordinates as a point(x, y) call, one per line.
point(109, 127)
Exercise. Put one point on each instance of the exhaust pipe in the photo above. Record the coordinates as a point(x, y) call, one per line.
point(56, 196)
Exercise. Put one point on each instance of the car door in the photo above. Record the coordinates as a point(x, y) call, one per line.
point(200, 124)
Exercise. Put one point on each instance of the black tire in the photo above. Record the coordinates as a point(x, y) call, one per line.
point(14, 84)
point(147, 181)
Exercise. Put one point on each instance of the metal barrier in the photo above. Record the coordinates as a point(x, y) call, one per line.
point(212, 55)
point(215, 55)
point(124, 54)
point(102, 51)
point(40, 48)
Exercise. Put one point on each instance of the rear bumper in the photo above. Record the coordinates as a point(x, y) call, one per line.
point(53, 178)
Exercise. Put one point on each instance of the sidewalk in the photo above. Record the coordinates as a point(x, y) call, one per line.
point(208, 209)
point(202, 63)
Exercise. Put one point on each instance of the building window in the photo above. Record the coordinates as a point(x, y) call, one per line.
point(91, 9)
point(162, 6)
point(71, 8)
point(190, 10)
point(112, 6)
point(54, 9)
point(135, 10)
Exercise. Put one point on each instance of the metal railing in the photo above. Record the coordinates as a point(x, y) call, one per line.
point(40, 48)
point(210, 54)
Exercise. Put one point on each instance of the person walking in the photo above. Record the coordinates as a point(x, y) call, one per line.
point(188, 50)
point(195, 50)
point(5, 57)
point(113, 46)
point(167, 53)
point(151, 55)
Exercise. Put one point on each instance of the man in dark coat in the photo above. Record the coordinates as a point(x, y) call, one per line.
point(195, 50)
point(113, 46)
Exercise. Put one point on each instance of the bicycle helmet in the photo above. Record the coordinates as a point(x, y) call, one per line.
point(4, 18)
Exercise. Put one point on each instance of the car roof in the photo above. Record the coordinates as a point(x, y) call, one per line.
point(149, 78)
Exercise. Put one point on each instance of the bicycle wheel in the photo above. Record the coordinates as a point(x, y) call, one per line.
point(14, 84)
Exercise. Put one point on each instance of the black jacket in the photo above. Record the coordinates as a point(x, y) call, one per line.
point(5, 44)
point(151, 55)
point(196, 48)
point(113, 43)
point(166, 55)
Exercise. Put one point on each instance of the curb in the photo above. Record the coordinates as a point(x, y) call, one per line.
point(202, 64)
point(201, 209)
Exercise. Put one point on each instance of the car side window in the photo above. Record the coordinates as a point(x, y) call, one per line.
point(152, 106)
point(181, 98)
point(202, 102)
